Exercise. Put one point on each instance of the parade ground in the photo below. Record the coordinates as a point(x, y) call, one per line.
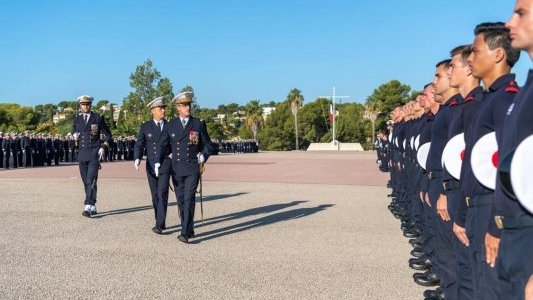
point(277, 225)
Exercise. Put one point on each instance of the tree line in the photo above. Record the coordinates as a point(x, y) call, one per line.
point(292, 124)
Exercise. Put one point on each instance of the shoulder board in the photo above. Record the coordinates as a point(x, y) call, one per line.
point(512, 87)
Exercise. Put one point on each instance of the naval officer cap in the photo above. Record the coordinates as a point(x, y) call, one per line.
point(183, 98)
point(85, 99)
point(157, 102)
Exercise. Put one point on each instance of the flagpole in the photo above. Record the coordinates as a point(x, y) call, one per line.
point(334, 113)
point(333, 97)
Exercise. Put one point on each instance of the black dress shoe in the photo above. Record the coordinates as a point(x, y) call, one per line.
point(434, 294)
point(183, 239)
point(417, 253)
point(86, 213)
point(420, 264)
point(157, 230)
point(416, 240)
point(410, 234)
point(418, 248)
point(431, 279)
point(424, 274)
point(417, 245)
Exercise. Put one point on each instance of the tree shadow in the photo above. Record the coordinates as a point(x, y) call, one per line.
point(238, 215)
point(263, 221)
point(121, 211)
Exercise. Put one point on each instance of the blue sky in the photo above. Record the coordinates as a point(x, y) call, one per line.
point(231, 51)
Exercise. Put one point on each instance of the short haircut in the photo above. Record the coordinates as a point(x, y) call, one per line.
point(464, 51)
point(426, 85)
point(497, 35)
point(446, 63)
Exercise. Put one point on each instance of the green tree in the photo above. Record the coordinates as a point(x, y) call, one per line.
point(45, 113)
point(313, 121)
point(216, 131)
point(295, 100)
point(147, 85)
point(386, 97)
point(254, 117)
point(164, 89)
point(278, 133)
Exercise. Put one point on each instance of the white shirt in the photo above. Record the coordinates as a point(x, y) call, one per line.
point(162, 123)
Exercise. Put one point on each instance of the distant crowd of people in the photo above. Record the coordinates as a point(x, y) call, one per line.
point(236, 146)
point(26, 150)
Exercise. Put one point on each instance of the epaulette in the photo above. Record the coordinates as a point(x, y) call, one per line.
point(512, 87)
point(453, 103)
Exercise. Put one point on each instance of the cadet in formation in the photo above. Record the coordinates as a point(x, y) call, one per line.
point(471, 237)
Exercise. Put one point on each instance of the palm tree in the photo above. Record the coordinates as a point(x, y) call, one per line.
point(254, 116)
point(295, 99)
point(372, 110)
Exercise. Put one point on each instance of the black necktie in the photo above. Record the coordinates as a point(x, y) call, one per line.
point(85, 118)
point(159, 125)
point(183, 122)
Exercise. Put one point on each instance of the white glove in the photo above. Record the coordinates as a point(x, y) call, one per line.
point(156, 169)
point(201, 158)
point(101, 154)
point(170, 156)
point(75, 135)
point(137, 163)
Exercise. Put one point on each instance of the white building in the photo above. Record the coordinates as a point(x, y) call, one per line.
point(59, 117)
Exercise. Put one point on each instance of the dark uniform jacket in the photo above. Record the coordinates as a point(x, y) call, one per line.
point(517, 127)
point(89, 141)
point(185, 142)
point(149, 135)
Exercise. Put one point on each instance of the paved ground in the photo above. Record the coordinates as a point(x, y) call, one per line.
point(290, 225)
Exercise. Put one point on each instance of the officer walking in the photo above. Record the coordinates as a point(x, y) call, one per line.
point(148, 137)
point(191, 147)
point(86, 129)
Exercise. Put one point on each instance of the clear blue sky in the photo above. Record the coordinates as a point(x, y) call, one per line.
point(231, 51)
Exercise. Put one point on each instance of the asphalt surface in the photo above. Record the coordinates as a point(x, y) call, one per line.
point(277, 225)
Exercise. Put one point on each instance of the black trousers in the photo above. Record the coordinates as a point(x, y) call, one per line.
point(433, 220)
point(26, 156)
point(514, 263)
point(89, 176)
point(487, 284)
point(447, 254)
point(185, 189)
point(159, 191)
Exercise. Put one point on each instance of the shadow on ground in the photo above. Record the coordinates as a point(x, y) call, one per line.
point(263, 221)
point(146, 207)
